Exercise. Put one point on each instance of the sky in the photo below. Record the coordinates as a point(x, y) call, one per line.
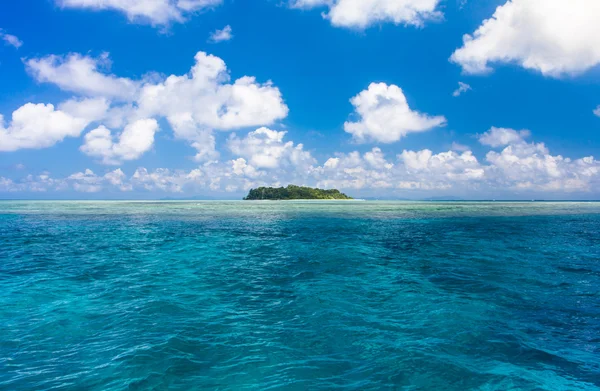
point(390, 99)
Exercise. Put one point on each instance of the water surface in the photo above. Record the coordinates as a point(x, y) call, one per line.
point(299, 296)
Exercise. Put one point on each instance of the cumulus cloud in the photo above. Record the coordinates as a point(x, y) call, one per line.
point(226, 34)
point(264, 158)
point(462, 88)
point(89, 182)
point(265, 148)
point(554, 37)
point(155, 12)
point(194, 104)
point(411, 170)
point(515, 168)
point(117, 178)
point(82, 75)
point(207, 98)
point(459, 147)
point(33, 183)
point(133, 142)
point(38, 126)
point(597, 111)
point(497, 137)
point(174, 181)
point(384, 115)
point(92, 109)
point(364, 13)
point(452, 165)
point(86, 182)
point(530, 166)
point(10, 39)
point(7, 185)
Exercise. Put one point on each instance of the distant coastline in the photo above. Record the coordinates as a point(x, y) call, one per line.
point(296, 193)
point(239, 199)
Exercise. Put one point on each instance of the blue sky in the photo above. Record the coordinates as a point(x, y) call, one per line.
point(338, 96)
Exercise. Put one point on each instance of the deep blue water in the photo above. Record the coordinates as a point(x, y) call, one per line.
point(299, 296)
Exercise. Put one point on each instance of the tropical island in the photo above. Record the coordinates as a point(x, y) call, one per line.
point(294, 193)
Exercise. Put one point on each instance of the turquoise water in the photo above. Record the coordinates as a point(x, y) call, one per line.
point(299, 296)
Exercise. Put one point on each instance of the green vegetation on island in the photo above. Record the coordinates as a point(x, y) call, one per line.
point(295, 193)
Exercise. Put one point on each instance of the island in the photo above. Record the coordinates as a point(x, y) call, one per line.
point(294, 193)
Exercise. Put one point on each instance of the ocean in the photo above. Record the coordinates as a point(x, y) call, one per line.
point(299, 296)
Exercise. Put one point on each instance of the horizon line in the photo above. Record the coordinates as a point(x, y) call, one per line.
point(318, 200)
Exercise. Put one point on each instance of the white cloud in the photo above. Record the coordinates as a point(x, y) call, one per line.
point(7, 185)
point(196, 5)
point(462, 88)
point(459, 147)
point(155, 12)
point(497, 137)
point(364, 13)
point(82, 75)
point(554, 37)
point(206, 146)
point(386, 117)
point(241, 167)
point(194, 104)
point(226, 34)
point(118, 178)
point(265, 148)
point(411, 170)
point(519, 170)
point(265, 159)
point(205, 100)
point(528, 166)
point(174, 181)
point(38, 126)
point(351, 171)
point(88, 182)
point(307, 4)
point(10, 39)
point(136, 139)
point(597, 111)
point(449, 165)
point(92, 109)
point(33, 183)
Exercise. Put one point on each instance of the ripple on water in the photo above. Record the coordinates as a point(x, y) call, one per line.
point(258, 296)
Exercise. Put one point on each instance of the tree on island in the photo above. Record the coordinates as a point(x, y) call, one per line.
point(293, 192)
